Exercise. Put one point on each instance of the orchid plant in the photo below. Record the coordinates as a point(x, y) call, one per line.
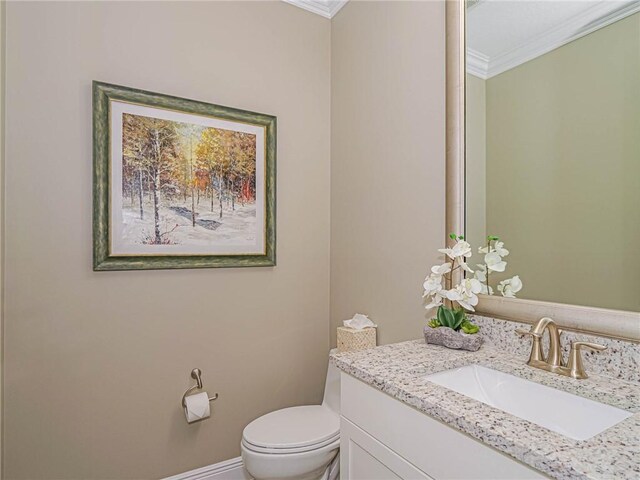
point(454, 300)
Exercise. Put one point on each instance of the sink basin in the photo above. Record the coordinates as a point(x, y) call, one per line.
point(569, 415)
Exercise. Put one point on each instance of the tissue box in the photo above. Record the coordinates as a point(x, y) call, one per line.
point(351, 340)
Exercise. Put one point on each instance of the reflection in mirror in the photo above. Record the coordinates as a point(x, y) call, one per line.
point(553, 145)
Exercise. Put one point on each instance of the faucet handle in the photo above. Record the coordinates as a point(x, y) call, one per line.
point(576, 367)
point(536, 355)
point(589, 345)
point(522, 332)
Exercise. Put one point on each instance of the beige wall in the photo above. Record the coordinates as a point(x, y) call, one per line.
point(563, 173)
point(387, 161)
point(96, 363)
point(2, 95)
point(476, 163)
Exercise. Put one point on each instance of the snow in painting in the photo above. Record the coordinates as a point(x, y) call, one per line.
point(186, 184)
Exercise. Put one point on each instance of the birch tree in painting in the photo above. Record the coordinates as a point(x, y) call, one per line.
point(168, 166)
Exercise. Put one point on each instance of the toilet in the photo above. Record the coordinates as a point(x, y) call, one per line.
point(300, 443)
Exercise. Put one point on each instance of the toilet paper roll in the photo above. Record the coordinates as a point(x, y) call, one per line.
point(197, 407)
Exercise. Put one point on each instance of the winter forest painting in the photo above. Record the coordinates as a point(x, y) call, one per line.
point(180, 183)
point(187, 184)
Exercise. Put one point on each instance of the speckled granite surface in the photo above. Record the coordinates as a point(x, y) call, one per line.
point(619, 360)
point(399, 371)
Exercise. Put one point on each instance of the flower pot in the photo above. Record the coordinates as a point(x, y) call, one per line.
point(449, 338)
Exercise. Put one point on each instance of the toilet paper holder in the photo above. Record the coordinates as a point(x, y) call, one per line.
point(196, 374)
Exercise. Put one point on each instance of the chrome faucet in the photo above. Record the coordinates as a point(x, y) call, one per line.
point(552, 361)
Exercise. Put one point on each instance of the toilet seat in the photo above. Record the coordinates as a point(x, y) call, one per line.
point(292, 430)
point(282, 451)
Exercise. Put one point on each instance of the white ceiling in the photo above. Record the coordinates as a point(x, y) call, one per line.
point(326, 8)
point(504, 34)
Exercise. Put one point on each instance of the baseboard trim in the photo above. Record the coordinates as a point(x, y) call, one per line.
point(228, 470)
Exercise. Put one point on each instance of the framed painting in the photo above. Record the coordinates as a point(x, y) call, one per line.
point(179, 183)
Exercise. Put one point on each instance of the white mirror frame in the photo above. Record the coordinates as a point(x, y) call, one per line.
point(618, 324)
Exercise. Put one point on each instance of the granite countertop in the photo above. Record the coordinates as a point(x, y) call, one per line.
point(399, 370)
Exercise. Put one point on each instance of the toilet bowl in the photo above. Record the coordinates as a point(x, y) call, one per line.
point(298, 443)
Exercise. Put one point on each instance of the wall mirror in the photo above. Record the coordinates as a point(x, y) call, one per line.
point(544, 151)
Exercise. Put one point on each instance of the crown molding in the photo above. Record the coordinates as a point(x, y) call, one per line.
point(335, 6)
point(325, 8)
point(484, 67)
point(477, 64)
point(469, 4)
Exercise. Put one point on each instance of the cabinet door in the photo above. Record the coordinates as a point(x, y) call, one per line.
point(364, 458)
point(425, 443)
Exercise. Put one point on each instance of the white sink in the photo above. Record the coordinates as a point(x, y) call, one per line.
point(570, 415)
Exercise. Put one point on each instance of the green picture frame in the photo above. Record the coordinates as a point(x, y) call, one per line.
point(150, 255)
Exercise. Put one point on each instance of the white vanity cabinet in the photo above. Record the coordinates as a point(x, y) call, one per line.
point(382, 438)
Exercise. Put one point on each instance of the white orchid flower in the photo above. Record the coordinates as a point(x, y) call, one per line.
point(486, 290)
point(494, 262)
point(436, 301)
point(481, 276)
point(465, 267)
point(453, 294)
point(516, 284)
point(508, 288)
point(432, 285)
point(465, 293)
point(460, 249)
point(500, 250)
point(481, 273)
point(469, 303)
point(441, 269)
point(471, 286)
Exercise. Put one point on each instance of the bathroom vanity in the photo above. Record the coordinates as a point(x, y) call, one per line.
point(404, 443)
point(396, 423)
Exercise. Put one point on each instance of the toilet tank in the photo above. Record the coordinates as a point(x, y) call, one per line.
point(332, 388)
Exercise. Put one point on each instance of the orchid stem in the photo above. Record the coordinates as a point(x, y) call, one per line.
point(487, 266)
point(453, 267)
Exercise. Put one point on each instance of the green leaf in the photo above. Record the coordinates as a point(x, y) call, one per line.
point(452, 236)
point(449, 319)
point(461, 317)
point(469, 328)
point(460, 237)
point(434, 323)
point(458, 324)
point(453, 319)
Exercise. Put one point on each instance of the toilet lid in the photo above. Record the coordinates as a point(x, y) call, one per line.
point(293, 427)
